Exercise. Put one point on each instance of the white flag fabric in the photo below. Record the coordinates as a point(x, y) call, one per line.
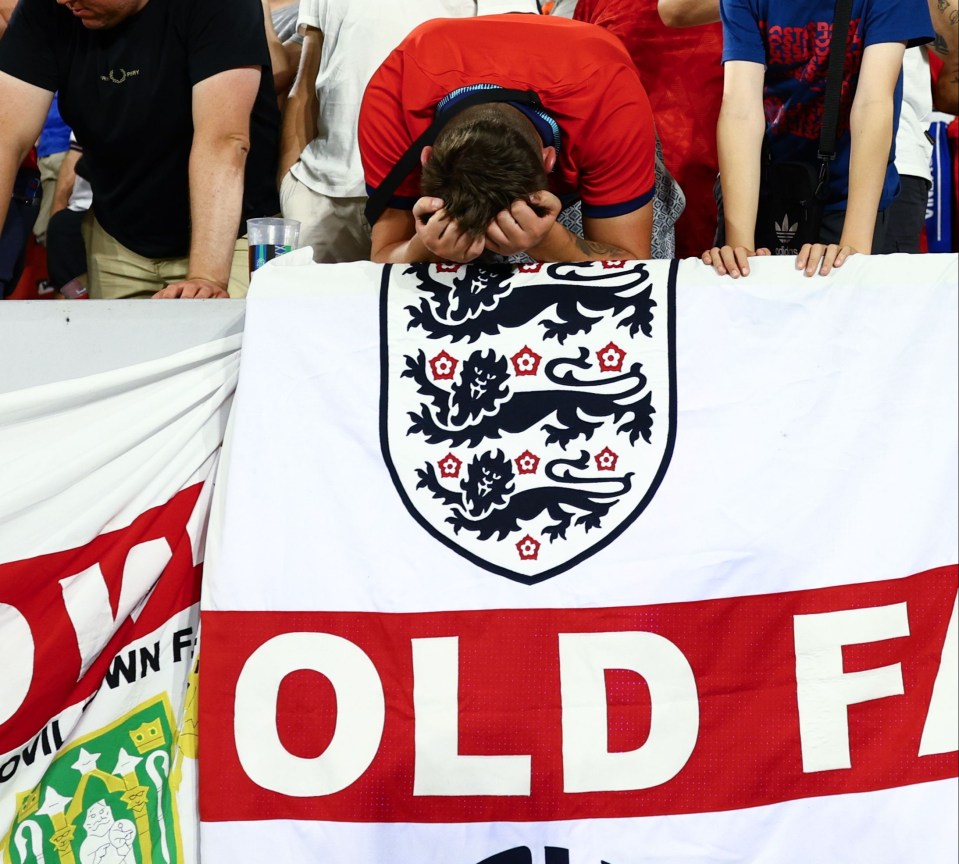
point(105, 484)
point(616, 562)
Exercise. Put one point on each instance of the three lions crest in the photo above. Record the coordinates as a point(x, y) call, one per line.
point(528, 412)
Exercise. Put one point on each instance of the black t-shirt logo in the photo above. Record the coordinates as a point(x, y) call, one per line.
point(118, 77)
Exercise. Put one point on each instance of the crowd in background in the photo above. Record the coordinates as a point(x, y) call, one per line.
point(142, 190)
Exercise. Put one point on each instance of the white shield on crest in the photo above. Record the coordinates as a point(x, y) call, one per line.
point(528, 412)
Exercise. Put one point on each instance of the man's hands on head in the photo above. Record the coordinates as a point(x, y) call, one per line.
point(192, 289)
point(426, 233)
point(441, 235)
point(521, 228)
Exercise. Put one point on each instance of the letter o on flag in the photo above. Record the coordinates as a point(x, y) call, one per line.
point(360, 714)
point(18, 652)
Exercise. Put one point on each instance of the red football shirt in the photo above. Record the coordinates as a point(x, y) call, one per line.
point(583, 76)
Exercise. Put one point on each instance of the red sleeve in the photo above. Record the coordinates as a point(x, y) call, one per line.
point(384, 134)
point(617, 150)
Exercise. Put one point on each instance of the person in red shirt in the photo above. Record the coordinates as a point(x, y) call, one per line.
point(682, 73)
point(589, 135)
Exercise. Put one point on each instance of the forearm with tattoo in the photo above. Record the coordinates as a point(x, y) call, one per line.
point(947, 11)
point(593, 247)
point(945, 21)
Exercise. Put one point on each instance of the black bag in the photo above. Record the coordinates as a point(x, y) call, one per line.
point(26, 186)
point(791, 200)
point(792, 195)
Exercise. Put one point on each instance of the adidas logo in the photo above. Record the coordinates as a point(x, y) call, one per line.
point(784, 231)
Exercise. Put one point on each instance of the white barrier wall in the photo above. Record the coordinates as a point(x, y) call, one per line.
point(50, 340)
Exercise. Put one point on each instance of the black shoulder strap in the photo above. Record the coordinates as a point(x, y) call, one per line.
point(379, 198)
point(837, 59)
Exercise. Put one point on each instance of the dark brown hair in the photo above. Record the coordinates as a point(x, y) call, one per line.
point(484, 159)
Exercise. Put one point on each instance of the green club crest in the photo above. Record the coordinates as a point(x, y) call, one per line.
point(107, 799)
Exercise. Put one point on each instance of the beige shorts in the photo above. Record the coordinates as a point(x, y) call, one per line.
point(114, 272)
point(336, 228)
point(49, 167)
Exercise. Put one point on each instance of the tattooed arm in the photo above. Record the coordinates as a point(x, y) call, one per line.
point(945, 20)
point(627, 237)
point(531, 227)
point(632, 233)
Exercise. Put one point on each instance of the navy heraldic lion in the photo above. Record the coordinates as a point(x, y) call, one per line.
point(482, 301)
point(480, 404)
point(489, 505)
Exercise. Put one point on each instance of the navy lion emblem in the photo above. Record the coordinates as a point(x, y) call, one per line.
point(527, 413)
point(488, 504)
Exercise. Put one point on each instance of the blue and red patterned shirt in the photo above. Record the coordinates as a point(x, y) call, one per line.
point(792, 41)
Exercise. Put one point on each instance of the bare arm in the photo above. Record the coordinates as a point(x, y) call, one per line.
point(302, 106)
point(945, 21)
point(739, 136)
point(870, 126)
point(688, 13)
point(283, 70)
point(403, 236)
point(617, 238)
point(221, 140)
point(521, 229)
point(946, 95)
point(627, 237)
point(66, 179)
point(397, 238)
point(23, 109)
point(6, 10)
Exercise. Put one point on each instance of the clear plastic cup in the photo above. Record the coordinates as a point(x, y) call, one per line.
point(269, 237)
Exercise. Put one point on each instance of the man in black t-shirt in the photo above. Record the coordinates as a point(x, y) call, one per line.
point(173, 103)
